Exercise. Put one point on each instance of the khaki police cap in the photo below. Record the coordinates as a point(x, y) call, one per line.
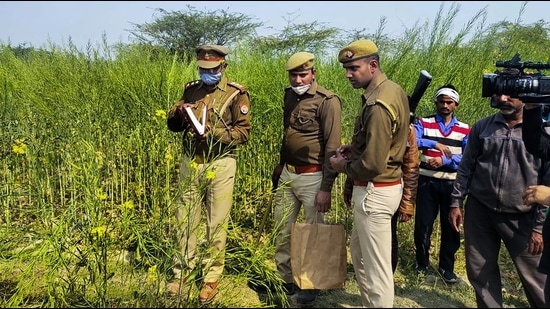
point(357, 50)
point(211, 56)
point(300, 61)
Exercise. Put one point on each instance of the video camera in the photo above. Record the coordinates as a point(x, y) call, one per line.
point(514, 82)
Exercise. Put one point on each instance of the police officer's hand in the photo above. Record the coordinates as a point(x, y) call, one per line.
point(535, 243)
point(322, 201)
point(182, 114)
point(455, 218)
point(444, 150)
point(338, 162)
point(275, 177)
point(180, 108)
point(345, 150)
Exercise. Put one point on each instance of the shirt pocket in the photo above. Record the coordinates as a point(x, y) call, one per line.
point(304, 120)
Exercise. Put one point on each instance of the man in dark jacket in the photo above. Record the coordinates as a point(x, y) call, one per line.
point(493, 173)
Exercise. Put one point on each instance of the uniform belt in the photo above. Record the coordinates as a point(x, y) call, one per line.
point(362, 183)
point(312, 168)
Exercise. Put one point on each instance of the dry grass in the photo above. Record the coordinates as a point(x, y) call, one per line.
point(411, 291)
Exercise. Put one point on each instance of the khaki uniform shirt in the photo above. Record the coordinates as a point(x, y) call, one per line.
point(380, 134)
point(227, 117)
point(312, 130)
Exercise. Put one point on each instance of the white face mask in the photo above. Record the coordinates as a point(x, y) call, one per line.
point(301, 89)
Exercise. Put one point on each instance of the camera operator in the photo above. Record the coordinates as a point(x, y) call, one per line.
point(494, 170)
point(531, 89)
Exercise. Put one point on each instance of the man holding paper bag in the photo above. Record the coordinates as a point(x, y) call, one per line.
point(213, 115)
point(303, 177)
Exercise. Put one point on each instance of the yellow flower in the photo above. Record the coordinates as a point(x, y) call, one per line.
point(160, 113)
point(168, 157)
point(152, 274)
point(100, 230)
point(193, 165)
point(100, 194)
point(210, 175)
point(128, 205)
point(19, 147)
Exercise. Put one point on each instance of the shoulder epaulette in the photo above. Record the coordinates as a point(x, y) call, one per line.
point(191, 84)
point(326, 93)
point(238, 86)
point(392, 114)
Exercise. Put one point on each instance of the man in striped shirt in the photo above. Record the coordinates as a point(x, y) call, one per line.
point(441, 139)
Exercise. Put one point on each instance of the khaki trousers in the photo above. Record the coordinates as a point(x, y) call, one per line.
point(294, 191)
point(370, 243)
point(207, 187)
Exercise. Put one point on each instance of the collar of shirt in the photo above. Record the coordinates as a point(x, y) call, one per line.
point(441, 122)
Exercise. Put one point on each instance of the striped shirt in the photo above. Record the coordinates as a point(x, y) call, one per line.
point(432, 130)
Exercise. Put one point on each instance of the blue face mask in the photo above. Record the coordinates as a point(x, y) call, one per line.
point(210, 79)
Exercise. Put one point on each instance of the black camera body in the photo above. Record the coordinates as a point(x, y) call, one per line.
point(514, 82)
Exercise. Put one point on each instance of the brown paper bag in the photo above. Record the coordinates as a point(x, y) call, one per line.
point(318, 255)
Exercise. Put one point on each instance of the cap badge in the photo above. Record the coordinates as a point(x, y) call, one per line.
point(349, 54)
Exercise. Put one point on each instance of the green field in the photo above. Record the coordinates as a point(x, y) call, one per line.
point(89, 168)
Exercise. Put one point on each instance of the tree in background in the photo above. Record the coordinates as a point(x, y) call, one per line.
point(313, 37)
point(181, 31)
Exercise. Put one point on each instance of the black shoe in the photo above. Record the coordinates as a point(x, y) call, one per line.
point(289, 288)
point(422, 271)
point(448, 276)
point(307, 297)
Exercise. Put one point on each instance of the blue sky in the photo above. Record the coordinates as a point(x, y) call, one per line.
point(40, 23)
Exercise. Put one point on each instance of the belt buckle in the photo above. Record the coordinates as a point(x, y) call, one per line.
point(291, 168)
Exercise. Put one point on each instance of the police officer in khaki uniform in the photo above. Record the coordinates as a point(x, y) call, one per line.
point(373, 167)
point(303, 177)
point(214, 116)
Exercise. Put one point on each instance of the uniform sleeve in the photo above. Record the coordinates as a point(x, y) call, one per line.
point(373, 160)
point(331, 124)
point(411, 170)
point(466, 168)
point(175, 120)
point(238, 131)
